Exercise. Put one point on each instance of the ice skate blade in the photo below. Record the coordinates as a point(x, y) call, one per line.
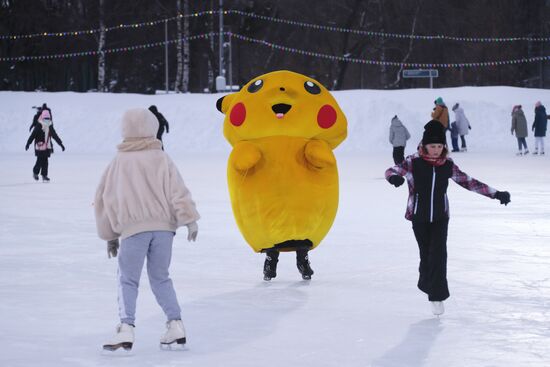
point(267, 279)
point(121, 349)
point(178, 344)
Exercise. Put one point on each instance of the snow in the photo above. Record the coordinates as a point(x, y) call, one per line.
point(362, 308)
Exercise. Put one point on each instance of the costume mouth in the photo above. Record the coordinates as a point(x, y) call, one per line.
point(280, 109)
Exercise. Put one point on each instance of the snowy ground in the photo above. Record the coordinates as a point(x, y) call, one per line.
point(362, 308)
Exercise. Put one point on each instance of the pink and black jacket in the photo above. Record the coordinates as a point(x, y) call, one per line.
point(428, 187)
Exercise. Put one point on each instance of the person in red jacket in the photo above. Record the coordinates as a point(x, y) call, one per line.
point(427, 173)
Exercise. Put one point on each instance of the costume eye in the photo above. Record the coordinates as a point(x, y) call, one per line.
point(256, 86)
point(312, 87)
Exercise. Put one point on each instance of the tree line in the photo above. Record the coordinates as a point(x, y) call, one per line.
point(193, 65)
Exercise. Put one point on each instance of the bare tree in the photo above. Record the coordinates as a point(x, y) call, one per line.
point(409, 51)
point(179, 49)
point(101, 46)
point(186, 55)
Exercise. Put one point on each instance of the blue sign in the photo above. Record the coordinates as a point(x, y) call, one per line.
point(420, 73)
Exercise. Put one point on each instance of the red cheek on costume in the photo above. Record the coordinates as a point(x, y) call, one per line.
point(326, 117)
point(238, 114)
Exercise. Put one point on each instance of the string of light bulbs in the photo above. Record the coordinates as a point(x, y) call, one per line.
point(279, 48)
point(282, 21)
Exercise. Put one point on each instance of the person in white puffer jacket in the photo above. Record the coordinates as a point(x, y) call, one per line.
point(398, 138)
point(142, 200)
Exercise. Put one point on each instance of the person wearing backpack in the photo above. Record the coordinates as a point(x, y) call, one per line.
point(42, 135)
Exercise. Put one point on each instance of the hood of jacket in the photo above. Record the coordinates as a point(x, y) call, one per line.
point(396, 122)
point(139, 123)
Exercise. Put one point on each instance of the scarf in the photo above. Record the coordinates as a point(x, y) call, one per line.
point(434, 161)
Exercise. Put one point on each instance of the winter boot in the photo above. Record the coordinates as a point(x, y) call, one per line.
point(437, 308)
point(124, 338)
point(270, 264)
point(45, 179)
point(302, 262)
point(35, 176)
point(175, 333)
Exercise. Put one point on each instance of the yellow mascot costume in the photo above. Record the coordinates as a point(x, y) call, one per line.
point(282, 174)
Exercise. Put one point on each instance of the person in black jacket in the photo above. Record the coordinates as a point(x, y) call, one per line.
point(42, 135)
point(428, 172)
point(162, 122)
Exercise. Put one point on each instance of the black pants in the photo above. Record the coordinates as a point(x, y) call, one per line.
point(398, 154)
point(41, 165)
point(463, 141)
point(432, 243)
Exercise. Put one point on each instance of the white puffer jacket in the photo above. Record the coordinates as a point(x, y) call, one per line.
point(141, 190)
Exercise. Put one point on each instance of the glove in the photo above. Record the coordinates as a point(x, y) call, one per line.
point(469, 127)
point(503, 197)
point(27, 147)
point(62, 147)
point(112, 248)
point(192, 231)
point(396, 180)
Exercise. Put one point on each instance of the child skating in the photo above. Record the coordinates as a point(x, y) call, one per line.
point(42, 134)
point(141, 200)
point(427, 173)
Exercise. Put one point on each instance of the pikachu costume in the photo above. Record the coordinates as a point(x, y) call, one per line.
point(282, 174)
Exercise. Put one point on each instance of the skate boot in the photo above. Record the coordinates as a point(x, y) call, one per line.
point(519, 153)
point(45, 179)
point(437, 308)
point(270, 265)
point(35, 176)
point(535, 152)
point(526, 152)
point(174, 336)
point(541, 153)
point(124, 338)
point(464, 150)
point(302, 262)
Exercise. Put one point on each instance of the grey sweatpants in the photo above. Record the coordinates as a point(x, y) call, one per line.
point(157, 247)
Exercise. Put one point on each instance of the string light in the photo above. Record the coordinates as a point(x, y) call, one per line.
point(287, 22)
point(280, 48)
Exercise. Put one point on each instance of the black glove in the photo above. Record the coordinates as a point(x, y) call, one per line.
point(503, 197)
point(27, 147)
point(112, 248)
point(62, 147)
point(469, 127)
point(396, 180)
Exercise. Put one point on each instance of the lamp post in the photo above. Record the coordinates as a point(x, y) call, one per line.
point(220, 79)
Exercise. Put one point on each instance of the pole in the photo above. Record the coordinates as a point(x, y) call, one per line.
point(431, 81)
point(221, 70)
point(166, 55)
point(230, 66)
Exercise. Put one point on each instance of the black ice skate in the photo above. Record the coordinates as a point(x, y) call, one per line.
point(302, 262)
point(45, 179)
point(35, 176)
point(270, 265)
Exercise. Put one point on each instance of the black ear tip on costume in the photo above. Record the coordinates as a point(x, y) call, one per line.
point(219, 104)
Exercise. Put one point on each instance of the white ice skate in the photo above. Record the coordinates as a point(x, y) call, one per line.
point(124, 338)
point(519, 153)
point(437, 308)
point(174, 337)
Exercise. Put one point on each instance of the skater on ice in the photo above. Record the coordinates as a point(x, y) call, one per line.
point(427, 173)
point(163, 124)
point(519, 127)
point(42, 135)
point(462, 124)
point(141, 200)
point(441, 112)
point(398, 138)
point(539, 127)
point(282, 173)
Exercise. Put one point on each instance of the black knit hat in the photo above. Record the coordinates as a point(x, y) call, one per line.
point(434, 133)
